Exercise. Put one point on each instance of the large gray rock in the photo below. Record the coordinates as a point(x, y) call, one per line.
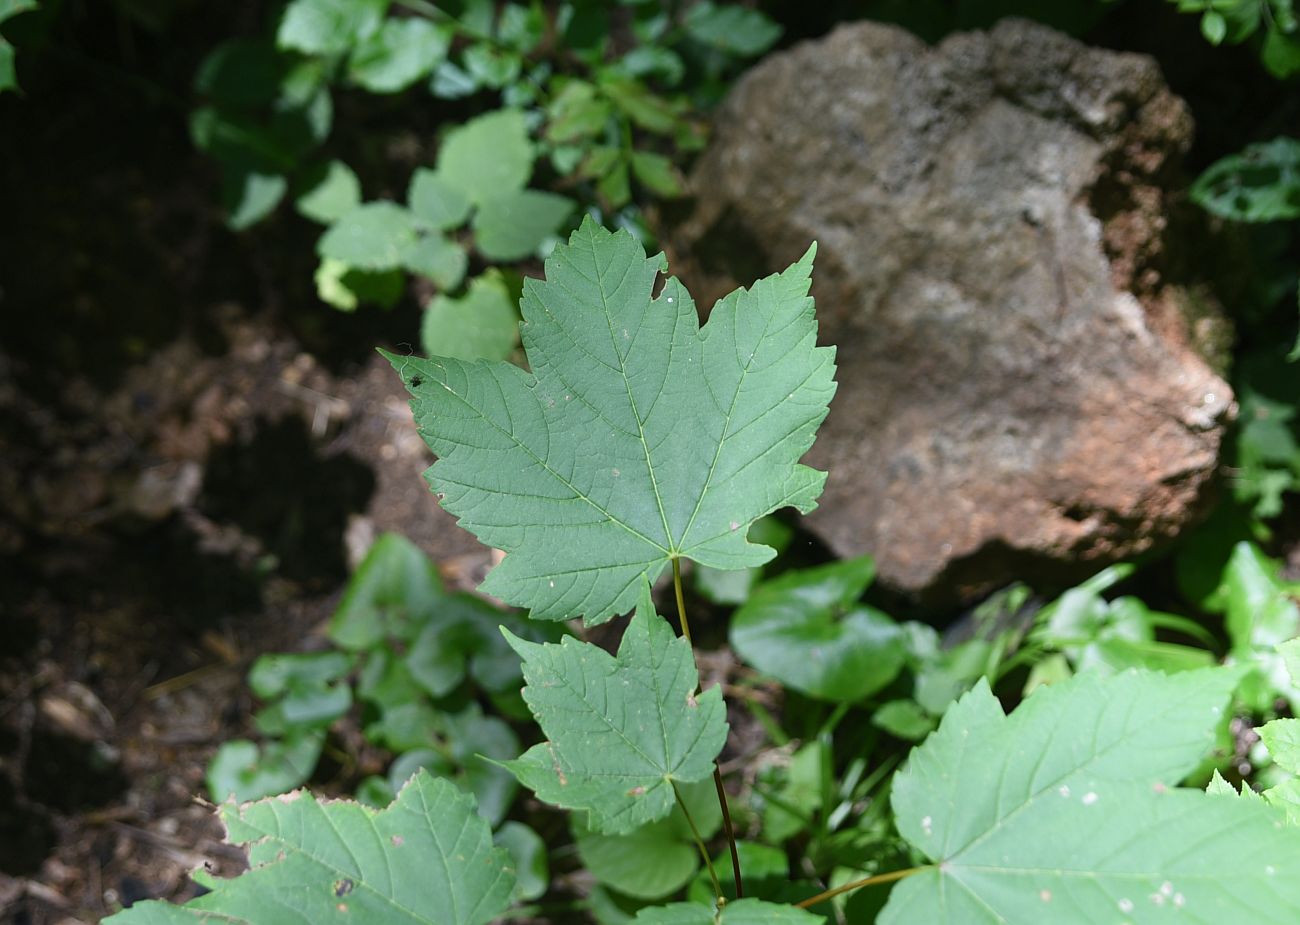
point(1020, 383)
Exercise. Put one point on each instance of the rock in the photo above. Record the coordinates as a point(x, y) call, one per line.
point(1020, 391)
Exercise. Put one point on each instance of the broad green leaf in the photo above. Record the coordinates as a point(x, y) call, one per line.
point(246, 771)
point(528, 854)
point(622, 729)
point(577, 111)
point(731, 27)
point(333, 195)
point(427, 859)
point(440, 259)
point(657, 174)
point(658, 858)
point(394, 586)
point(643, 106)
point(1281, 53)
point(733, 586)
point(479, 745)
point(637, 438)
point(310, 689)
point(346, 288)
point(481, 324)
point(1260, 184)
point(1067, 811)
point(8, 76)
point(1260, 612)
point(241, 72)
point(250, 196)
point(436, 201)
point(1282, 738)
point(488, 156)
point(801, 790)
point(8, 72)
point(452, 82)
point(807, 630)
point(513, 226)
point(328, 27)
point(903, 719)
point(492, 67)
point(740, 912)
point(374, 236)
point(398, 54)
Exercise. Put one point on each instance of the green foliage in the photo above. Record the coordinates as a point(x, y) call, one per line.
point(806, 630)
point(8, 10)
point(623, 731)
point(408, 651)
point(617, 464)
point(1069, 808)
point(428, 858)
point(1261, 183)
point(1235, 21)
point(657, 859)
point(1038, 820)
point(607, 119)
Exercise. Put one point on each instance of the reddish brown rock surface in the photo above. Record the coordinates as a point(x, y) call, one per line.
point(1018, 384)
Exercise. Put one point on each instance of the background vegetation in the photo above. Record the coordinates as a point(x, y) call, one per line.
point(366, 173)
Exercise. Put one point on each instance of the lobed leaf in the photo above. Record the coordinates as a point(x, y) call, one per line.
point(427, 859)
point(638, 437)
point(623, 729)
point(1066, 810)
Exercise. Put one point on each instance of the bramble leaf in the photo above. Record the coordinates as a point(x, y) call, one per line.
point(807, 630)
point(427, 859)
point(623, 729)
point(1067, 811)
point(638, 437)
point(482, 323)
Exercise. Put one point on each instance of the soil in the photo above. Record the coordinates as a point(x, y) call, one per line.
point(195, 450)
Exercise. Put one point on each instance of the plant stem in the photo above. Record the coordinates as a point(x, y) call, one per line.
point(869, 881)
point(717, 772)
point(681, 601)
point(699, 842)
point(731, 833)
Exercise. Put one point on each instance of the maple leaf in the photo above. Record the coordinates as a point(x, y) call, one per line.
point(638, 437)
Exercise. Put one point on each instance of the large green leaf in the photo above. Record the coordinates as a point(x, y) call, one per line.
point(398, 54)
point(513, 225)
point(374, 236)
point(427, 860)
point(328, 27)
point(622, 730)
point(488, 156)
point(658, 858)
point(638, 437)
point(1067, 811)
point(481, 324)
point(807, 630)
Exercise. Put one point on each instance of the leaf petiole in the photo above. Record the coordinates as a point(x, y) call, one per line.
point(856, 884)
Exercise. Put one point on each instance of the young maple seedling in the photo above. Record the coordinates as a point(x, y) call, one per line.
point(638, 439)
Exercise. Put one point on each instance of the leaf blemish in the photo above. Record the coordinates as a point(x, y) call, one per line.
point(636, 792)
point(1045, 895)
point(398, 841)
